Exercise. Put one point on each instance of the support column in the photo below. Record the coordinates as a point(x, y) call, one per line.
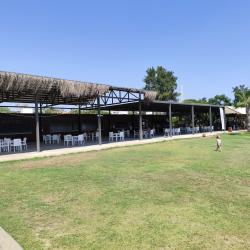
point(192, 111)
point(210, 119)
point(170, 119)
point(79, 120)
point(38, 148)
point(99, 121)
point(140, 119)
point(40, 120)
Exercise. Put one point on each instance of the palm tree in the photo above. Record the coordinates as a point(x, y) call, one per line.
point(242, 99)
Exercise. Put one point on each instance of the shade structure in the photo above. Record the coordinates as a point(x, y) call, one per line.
point(48, 92)
point(24, 88)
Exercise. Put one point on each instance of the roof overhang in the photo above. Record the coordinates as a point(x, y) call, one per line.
point(24, 88)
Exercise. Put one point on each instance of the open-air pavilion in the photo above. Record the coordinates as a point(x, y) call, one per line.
point(101, 108)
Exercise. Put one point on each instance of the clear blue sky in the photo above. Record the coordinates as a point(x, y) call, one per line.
point(206, 43)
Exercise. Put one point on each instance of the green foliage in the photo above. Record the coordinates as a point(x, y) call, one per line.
point(199, 101)
point(216, 100)
point(242, 99)
point(4, 110)
point(163, 82)
point(241, 96)
point(87, 112)
point(220, 100)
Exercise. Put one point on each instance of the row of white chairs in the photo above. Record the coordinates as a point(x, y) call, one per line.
point(187, 130)
point(207, 129)
point(175, 131)
point(70, 140)
point(52, 139)
point(15, 145)
point(119, 136)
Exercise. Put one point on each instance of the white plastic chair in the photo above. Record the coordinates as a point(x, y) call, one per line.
point(167, 132)
point(121, 135)
point(85, 136)
point(178, 131)
point(55, 139)
point(3, 146)
point(68, 140)
point(8, 143)
point(48, 139)
point(152, 133)
point(81, 139)
point(17, 145)
point(111, 136)
point(24, 143)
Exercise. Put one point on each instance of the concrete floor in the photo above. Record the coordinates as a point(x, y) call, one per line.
point(55, 150)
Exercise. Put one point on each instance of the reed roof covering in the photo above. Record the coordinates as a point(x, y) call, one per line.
point(23, 87)
point(23, 82)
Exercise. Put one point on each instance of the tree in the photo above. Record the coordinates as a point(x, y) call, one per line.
point(220, 100)
point(200, 101)
point(242, 99)
point(163, 82)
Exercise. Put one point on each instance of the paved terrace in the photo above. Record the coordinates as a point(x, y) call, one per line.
point(55, 150)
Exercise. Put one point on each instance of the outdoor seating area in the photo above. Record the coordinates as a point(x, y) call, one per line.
point(105, 114)
point(13, 145)
point(188, 130)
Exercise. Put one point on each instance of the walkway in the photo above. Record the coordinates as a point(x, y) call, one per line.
point(7, 242)
point(62, 151)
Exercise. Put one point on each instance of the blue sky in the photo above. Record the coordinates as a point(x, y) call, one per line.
point(206, 43)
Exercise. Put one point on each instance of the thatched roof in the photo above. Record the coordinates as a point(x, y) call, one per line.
point(24, 84)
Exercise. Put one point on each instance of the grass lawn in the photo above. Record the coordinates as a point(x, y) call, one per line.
point(173, 195)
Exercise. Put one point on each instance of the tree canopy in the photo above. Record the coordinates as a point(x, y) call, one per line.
point(199, 101)
point(220, 100)
point(162, 81)
point(216, 100)
point(241, 96)
point(242, 99)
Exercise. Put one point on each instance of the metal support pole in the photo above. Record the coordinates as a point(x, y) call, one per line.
point(40, 120)
point(79, 119)
point(170, 119)
point(210, 119)
point(99, 121)
point(192, 111)
point(38, 149)
point(140, 119)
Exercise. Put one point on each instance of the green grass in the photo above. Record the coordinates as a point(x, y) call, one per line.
point(173, 195)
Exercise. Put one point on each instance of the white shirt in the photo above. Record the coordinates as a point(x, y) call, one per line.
point(218, 141)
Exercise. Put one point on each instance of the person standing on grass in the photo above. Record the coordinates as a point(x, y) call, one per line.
point(218, 143)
